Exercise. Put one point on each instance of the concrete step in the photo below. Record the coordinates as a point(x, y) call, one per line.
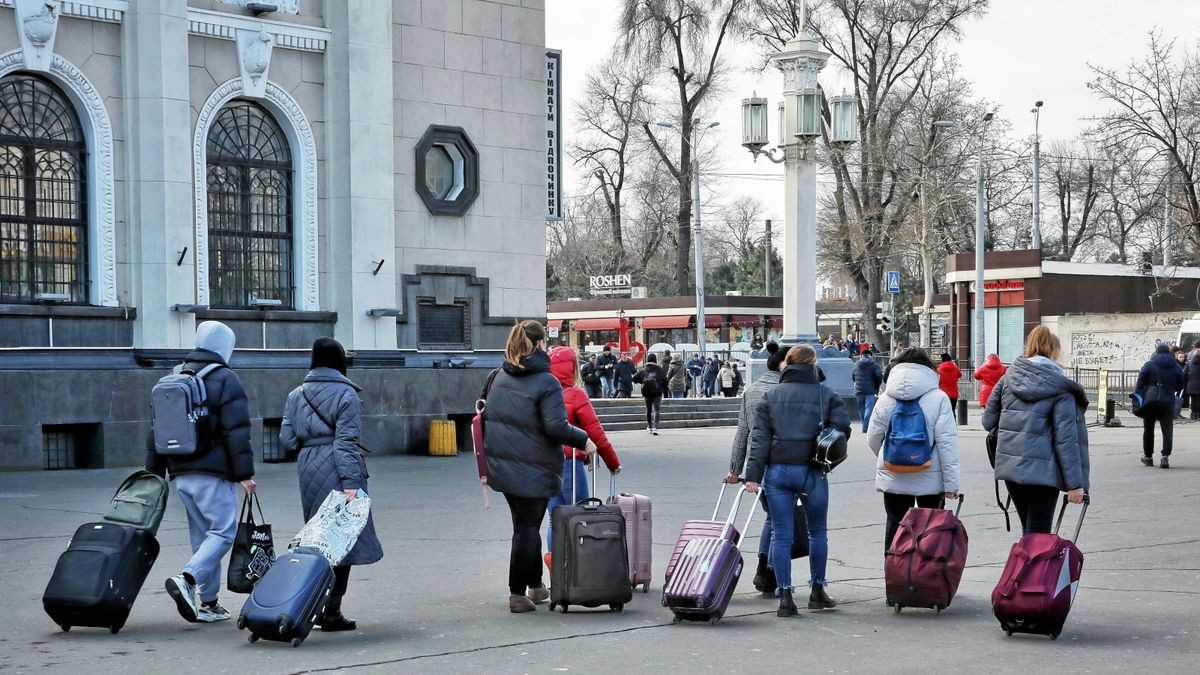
point(640, 425)
point(640, 415)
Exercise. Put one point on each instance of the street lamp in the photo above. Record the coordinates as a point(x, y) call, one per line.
point(1037, 178)
point(843, 117)
point(980, 215)
point(927, 265)
point(697, 231)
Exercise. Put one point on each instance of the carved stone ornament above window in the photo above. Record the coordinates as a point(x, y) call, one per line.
point(37, 22)
point(285, 6)
point(447, 170)
point(254, 57)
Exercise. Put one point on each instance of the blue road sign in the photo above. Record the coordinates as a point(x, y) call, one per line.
point(893, 281)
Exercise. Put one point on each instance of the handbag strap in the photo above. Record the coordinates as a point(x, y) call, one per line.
point(316, 411)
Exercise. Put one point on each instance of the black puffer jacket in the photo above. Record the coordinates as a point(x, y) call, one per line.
point(1161, 369)
point(788, 419)
point(1191, 376)
point(231, 456)
point(526, 429)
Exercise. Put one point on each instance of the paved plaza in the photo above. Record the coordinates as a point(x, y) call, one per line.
point(437, 601)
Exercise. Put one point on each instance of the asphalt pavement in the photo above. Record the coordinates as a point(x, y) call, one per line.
point(437, 602)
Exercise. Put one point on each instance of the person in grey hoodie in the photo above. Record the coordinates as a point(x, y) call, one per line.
point(322, 419)
point(1042, 445)
point(914, 378)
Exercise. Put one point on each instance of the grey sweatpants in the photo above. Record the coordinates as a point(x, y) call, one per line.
point(212, 512)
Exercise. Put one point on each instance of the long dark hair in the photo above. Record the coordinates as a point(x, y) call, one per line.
point(328, 353)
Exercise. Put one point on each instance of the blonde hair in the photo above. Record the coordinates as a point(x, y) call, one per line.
point(1041, 342)
point(801, 355)
point(522, 339)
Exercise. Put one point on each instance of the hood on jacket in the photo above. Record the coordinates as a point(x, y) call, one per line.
point(323, 374)
point(563, 363)
point(910, 381)
point(806, 373)
point(536, 362)
point(1165, 361)
point(1031, 380)
point(217, 338)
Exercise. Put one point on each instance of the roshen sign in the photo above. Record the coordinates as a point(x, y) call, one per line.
point(611, 284)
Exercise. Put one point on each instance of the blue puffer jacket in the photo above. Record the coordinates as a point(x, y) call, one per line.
point(1043, 432)
point(867, 376)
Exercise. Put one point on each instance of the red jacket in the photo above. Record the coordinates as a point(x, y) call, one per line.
point(948, 375)
point(989, 374)
point(580, 413)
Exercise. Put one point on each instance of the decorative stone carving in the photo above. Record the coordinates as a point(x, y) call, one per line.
point(304, 151)
point(89, 105)
point(800, 62)
point(254, 57)
point(37, 22)
point(285, 6)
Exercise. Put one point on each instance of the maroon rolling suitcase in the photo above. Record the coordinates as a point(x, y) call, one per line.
point(639, 538)
point(693, 529)
point(926, 559)
point(707, 573)
point(1039, 581)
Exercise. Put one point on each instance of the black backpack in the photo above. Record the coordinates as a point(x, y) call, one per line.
point(651, 383)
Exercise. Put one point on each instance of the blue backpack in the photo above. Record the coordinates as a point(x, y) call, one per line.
point(907, 448)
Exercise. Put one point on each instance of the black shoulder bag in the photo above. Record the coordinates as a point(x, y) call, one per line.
point(831, 442)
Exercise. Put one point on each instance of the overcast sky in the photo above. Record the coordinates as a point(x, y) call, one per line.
point(1019, 52)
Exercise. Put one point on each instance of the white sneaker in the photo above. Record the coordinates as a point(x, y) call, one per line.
point(184, 595)
point(211, 613)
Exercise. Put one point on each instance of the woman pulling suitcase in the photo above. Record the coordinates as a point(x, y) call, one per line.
point(322, 418)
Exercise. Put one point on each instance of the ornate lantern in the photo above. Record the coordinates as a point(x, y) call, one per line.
point(808, 114)
point(843, 114)
point(754, 123)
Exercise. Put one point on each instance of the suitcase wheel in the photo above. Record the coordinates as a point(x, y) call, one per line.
point(296, 641)
point(283, 626)
point(66, 628)
point(1054, 636)
point(114, 629)
point(252, 638)
point(897, 607)
point(646, 587)
point(241, 623)
point(1008, 631)
point(938, 608)
point(713, 621)
point(676, 619)
point(552, 606)
point(617, 607)
point(563, 609)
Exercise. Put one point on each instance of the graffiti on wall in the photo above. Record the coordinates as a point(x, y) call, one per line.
point(1119, 341)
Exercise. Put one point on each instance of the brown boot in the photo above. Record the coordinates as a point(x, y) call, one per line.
point(519, 604)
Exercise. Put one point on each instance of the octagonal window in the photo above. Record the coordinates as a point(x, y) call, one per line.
point(447, 170)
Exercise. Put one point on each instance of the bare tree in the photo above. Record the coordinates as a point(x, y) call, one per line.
point(614, 104)
point(738, 230)
point(1157, 104)
point(1076, 181)
point(686, 37)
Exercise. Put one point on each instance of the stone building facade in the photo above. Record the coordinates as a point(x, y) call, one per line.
point(372, 170)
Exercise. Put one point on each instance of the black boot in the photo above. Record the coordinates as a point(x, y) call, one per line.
point(332, 620)
point(1147, 460)
point(764, 577)
point(786, 606)
point(817, 598)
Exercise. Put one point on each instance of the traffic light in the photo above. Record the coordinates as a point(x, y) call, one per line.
point(885, 317)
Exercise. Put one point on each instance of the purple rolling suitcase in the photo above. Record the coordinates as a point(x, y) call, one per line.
point(693, 529)
point(707, 572)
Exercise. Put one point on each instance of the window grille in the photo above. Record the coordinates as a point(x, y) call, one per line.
point(43, 195)
point(250, 208)
point(71, 446)
point(444, 327)
point(273, 450)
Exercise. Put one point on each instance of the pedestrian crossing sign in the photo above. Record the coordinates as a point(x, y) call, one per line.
point(893, 281)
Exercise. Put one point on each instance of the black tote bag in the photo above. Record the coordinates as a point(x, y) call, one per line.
point(253, 549)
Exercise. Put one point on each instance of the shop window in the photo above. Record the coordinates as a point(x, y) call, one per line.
point(444, 327)
point(447, 170)
point(71, 446)
point(273, 450)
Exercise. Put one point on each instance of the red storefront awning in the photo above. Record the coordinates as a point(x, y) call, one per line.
point(775, 322)
point(555, 324)
point(598, 324)
point(664, 322)
point(714, 320)
point(745, 320)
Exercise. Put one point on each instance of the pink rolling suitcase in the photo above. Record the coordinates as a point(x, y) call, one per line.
point(693, 529)
point(638, 535)
point(707, 573)
point(1039, 581)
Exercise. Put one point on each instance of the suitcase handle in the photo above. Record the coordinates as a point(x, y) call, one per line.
point(733, 511)
point(960, 503)
point(721, 497)
point(1004, 507)
point(589, 503)
point(1087, 499)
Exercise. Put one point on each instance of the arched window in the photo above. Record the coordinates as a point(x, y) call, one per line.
point(43, 210)
point(249, 209)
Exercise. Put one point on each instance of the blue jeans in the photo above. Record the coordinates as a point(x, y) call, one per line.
point(564, 496)
point(212, 513)
point(866, 405)
point(608, 390)
point(764, 539)
point(783, 485)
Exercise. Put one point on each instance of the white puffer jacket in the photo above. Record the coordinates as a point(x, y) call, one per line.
point(906, 382)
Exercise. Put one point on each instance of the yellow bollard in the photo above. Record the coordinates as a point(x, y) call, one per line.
point(443, 438)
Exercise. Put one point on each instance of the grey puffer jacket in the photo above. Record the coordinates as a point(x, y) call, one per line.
point(526, 429)
point(323, 418)
point(746, 418)
point(915, 382)
point(1040, 413)
point(677, 375)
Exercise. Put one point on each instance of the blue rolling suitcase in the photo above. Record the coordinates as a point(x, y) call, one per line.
point(289, 598)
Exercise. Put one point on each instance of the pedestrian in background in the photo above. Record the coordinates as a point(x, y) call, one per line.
point(322, 419)
point(695, 367)
point(1162, 370)
point(725, 380)
point(737, 379)
point(580, 413)
point(625, 371)
point(590, 375)
point(867, 376)
point(1192, 378)
point(948, 375)
point(527, 428)
point(1042, 445)
point(787, 422)
point(712, 368)
point(607, 365)
point(914, 378)
point(677, 379)
point(653, 381)
point(988, 375)
point(1181, 398)
point(207, 480)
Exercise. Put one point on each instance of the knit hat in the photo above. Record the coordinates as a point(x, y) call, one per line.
point(328, 353)
point(1162, 348)
point(217, 338)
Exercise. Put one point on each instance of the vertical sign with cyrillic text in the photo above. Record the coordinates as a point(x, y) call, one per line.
point(553, 134)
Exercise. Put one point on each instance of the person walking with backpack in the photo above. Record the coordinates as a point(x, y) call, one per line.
point(867, 377)
point(677, 379)
point(988, 375)
point(913, 423)
point(322, 419)
point(1042, 443)
point(948, 374)
point(1164, 373)
point(525, 453)
point(782, 446)
point(207, 480)
point(591, 377)
point(580, 413)
point(624, 376)
point(652, 378)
